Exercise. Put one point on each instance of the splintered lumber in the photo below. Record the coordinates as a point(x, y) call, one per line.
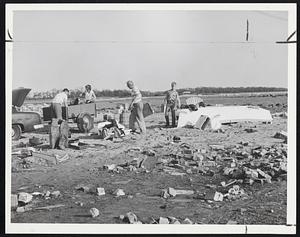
point(49, 158)
point(49, 207)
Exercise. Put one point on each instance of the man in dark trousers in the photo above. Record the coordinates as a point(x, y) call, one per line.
point(171, 103)
point(61, 99)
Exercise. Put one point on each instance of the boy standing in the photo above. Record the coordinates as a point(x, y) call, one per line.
point(171, 103)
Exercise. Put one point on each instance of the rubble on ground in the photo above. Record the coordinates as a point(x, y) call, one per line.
point(94, 212)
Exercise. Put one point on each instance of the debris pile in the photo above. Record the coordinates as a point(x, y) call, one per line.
point(30, 158)
point(23, 202)
point(131, 218)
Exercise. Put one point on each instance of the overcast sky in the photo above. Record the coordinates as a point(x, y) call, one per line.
point(57, 49)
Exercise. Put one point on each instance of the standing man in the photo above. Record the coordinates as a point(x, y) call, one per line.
point(136, 107)
point(171, 103)
point(90, 96)
point(61, 99)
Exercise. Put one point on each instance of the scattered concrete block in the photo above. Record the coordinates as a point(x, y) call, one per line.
point(130, 217)
point(231, 222)
point(47, 193)
point(281, 135)
point(217, 147)
point(165, 194)
point(137, 222)
point(119, 192)
point(94, 212)
point(172, 192)
point(110, 167)
point(23, 209)
point(24, 197)
point(173, 220)
point(233, 165)
point(202, 122)
point(55, 194)
point(177, 222)
point(163, 220)
point(218, 197)
point(187, 221)
point(100, 191)
point(79, 204)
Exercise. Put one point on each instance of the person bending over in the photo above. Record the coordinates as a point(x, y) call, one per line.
point(61, 99)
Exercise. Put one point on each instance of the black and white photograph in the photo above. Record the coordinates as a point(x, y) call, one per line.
point(151, 114)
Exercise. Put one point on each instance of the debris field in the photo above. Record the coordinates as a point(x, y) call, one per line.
point(235, 175)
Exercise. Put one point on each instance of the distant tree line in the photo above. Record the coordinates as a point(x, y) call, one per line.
point(197, 90)
point(218, 90)
point(126, 93)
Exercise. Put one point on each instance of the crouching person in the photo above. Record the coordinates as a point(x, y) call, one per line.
point(136, 107)
point(171, 103)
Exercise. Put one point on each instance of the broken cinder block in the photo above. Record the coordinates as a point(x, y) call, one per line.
point(163, 220)
point(119, 192)
point(24, 197)
point(130, 217)
point(100, 191)
point(94, 212)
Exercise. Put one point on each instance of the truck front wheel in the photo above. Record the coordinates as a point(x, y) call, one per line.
point(16, 132)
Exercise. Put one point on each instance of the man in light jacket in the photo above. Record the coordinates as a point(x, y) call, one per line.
point(136, 107)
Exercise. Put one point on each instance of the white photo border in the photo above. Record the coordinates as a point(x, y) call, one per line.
point(289, 228)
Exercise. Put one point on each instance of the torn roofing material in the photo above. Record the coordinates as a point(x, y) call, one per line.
point(224, 114)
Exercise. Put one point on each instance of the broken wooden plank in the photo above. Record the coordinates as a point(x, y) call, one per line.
point(49, 158)
point(49, 207)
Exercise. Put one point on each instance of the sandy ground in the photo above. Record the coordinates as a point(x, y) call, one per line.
point(264, 203)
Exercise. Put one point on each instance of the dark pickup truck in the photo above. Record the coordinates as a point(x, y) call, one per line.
point(23, 121)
